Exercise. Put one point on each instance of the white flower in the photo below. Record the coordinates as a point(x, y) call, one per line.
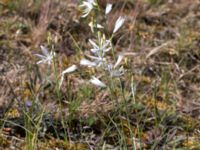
point(87, 7)
point(118, 24)
point(99, 51)
point(97, 82)
point(88, 63)
point(114, 72)
point(108, 8)
point(117, 72)
point(68, 70)
point(46, 57)
point(119, 59)
point(98, 60)
point(101, 48)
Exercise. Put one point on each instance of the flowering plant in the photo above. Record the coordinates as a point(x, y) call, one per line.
point(101, 46)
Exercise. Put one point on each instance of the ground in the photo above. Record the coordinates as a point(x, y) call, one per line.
point(161, 43)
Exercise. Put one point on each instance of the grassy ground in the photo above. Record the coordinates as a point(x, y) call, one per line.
point(155, 105)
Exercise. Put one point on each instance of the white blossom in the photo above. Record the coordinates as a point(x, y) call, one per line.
point(88, 63)
point(118, 24)
point(98, 60)
point(119, 59)
point(113, 71)
point(108, 8)
point(87, 7)
point(117, 72)
point(100, 48)
point(68, 70)
point(46, 57)
point(97, 82)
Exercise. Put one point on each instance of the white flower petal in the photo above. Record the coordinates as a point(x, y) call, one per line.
point(88, 63)
point(106, 43)
point(94, 57)
point(41, 56)
point(91, 1)
point(119, 59)
point(101, 47)
point(100, 26)
point(41, 61)
point(102, 59)
point(108, 49)
point(93, 44)
point(70, 69)
point(44, 50)
point(93, 50)
point(97, 82)
point(87, 7)
point(85, 15)
point(118, 24)
point(108, 8)
point(119, 72)
point(46, 57)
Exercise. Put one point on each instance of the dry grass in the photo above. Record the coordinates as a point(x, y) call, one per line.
point(164, 44)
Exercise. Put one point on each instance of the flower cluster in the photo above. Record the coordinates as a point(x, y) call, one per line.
point(99, 49)
point(101, 46)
